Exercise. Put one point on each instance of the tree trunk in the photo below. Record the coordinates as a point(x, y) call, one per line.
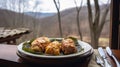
point(94, 22)
point(94, 38)
point(78, 25)
point(78, 9)
point(60, 26)
point(57, 5)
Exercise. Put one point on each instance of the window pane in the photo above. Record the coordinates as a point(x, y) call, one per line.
point(42, 18)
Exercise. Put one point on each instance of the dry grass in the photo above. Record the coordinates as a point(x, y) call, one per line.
point(103, 41)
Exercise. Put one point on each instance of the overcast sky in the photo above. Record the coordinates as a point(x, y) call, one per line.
point(42, 5)
point(48, 5)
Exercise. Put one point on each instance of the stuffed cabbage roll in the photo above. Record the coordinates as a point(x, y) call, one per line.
point(40, 44)
point(53, 48)
point(68, 46)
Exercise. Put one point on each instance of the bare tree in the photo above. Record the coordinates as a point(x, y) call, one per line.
point(96, 22)
point(3, 4)
point(9, 4)
point(78, 8)
point(34, 19)
point(22, 6)
point(21, 9)
point(57, 5)
point(13, 7)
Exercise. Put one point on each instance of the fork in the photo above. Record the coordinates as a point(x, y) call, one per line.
point(99, 61)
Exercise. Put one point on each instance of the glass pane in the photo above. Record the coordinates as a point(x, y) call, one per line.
point(41, 17)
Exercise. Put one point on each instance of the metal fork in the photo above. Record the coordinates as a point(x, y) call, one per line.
point(99, 61)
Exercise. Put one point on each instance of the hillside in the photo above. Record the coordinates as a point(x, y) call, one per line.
point(12, 19)
point(69, 25)
point(39, 14)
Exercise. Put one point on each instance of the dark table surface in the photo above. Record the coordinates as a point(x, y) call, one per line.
point(9, 58)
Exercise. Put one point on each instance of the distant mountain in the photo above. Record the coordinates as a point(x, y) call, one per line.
point(13, 19)
point(39, 14)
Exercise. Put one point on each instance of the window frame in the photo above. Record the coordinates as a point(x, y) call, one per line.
point(115, 24)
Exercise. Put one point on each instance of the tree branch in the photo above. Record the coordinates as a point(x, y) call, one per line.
point(97, 14)
point(90, 17)
point(78, 8)
point(103, 20)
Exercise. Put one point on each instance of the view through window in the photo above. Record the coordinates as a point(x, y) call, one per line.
point(88, 20)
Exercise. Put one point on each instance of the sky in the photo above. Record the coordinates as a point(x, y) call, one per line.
point(49, 6)
point(43, 5)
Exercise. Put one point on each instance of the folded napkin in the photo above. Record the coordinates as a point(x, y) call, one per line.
point(92, 62)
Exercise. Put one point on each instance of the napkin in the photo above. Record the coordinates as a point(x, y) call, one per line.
point(92, 62)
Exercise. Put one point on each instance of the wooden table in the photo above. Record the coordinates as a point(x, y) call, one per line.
point(10, 39)
point(10, 35)
point(9, 58)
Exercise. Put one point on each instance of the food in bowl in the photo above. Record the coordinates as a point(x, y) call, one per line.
point(68, 46)
point(52, 46)
point(39, 44)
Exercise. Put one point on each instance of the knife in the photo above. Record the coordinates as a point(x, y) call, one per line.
point(111, 54)
point(102, 54)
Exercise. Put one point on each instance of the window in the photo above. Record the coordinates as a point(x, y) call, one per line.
point(115, 24)
point(44, 22)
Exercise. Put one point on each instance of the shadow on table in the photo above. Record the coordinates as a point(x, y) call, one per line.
point(73, 63)
point(82, 62)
